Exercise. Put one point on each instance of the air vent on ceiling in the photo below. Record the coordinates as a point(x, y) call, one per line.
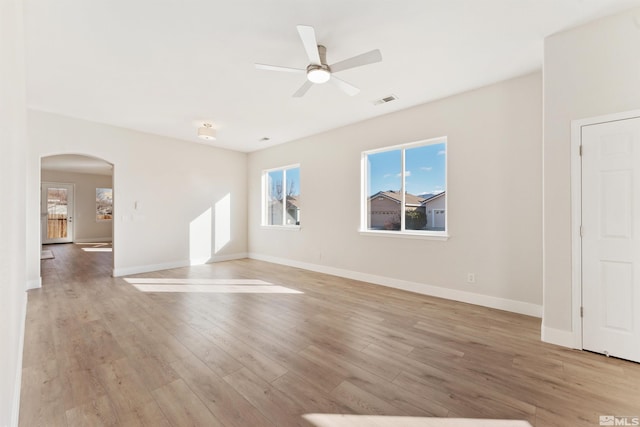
point(385, 100)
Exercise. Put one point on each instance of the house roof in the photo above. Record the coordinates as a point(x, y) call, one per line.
point(396, 196)
point(433, 197)
point(165, 67)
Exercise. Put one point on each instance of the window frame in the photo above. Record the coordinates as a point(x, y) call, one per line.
point(264, 221)
point(364, 196)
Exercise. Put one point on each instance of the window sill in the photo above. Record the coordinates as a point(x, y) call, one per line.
point(407, 234)
point(281, 227)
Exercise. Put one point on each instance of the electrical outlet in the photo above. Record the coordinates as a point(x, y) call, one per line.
point(471, 277)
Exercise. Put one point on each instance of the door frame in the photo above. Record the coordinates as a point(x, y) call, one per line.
point(72, 214)
point(576, 214)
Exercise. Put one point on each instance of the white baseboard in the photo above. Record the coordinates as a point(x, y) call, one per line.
point(560, 337)
point(94, 240)
point(34, 283)
point(118, 272)
point(17, 387)
point(137, 269)
point(230, 257)
point(520, 307)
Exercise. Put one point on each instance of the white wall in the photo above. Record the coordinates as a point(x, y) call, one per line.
point(191, 198)
point(85, 226)
point(13, 297)
point(494, 198)
point(589, 71)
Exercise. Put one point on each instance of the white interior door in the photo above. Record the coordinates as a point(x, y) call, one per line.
point(57, 212)
point(611, 238)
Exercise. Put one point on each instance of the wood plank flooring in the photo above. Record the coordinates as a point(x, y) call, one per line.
point(98, 351)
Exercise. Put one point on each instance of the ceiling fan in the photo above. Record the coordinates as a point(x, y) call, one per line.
point(318, 71)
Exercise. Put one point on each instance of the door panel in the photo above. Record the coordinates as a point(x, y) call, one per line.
point(57, 213)
point(611, 239)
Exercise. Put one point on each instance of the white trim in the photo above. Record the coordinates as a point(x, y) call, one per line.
point(264, 222)
point(428, 141)
point(576, 218)
point(520, 307)
point(365, 199)
point(119, 272)
point(34, 283)
point(559, 337)
point(94, 240)
point(17, 387)
point(281, 227)
point(407, 234)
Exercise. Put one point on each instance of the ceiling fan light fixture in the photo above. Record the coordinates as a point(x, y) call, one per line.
point(207, 132)
point(318, 74)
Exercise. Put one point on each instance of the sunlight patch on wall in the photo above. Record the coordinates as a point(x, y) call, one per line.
point(223, 222)
point(200, 238)
point(217, 286)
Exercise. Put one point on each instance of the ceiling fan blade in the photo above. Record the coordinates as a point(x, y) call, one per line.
point(279, 68)
point(303, 89)
point(308, 37)
point(357, 61)
point(347, 88)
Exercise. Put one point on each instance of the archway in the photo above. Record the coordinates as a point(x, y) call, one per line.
point(76, 202)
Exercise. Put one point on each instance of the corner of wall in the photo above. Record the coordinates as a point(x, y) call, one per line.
point(559, 337)
point(17, 387)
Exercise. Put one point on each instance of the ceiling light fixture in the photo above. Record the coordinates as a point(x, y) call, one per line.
point(318, 73)
point(207, 132)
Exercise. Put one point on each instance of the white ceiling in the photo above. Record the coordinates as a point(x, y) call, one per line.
point(159, 66)
point(77, 164)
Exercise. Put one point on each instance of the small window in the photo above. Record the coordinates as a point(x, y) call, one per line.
point(104, 204)
point(281, 197)
point(404, 188)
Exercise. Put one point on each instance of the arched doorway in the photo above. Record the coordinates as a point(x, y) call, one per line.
point(76, 203)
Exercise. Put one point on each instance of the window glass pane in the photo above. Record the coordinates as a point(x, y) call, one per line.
point(425, 187)
point(274, 197)
point(293, 196)
point(104, 204)
point(57, 215)
point(384, 186)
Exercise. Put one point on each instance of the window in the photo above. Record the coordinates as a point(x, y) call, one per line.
point(281, 196)
point(404, 188)
point(104, 204)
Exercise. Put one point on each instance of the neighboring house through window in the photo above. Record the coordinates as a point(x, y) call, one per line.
point(281, 196)
point(404, 188)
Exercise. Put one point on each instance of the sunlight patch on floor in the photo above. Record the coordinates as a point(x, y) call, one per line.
point(346, 420)
point(97, 249)
point(213, 286)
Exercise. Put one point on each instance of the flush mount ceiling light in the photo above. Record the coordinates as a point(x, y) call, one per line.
point(207, 132)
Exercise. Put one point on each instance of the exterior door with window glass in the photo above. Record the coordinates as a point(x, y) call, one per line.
point(56, 213)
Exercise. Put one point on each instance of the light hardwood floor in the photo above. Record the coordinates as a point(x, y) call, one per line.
point(99, 351)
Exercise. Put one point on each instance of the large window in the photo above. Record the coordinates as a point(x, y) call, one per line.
point(404, 188)
point(281, 196)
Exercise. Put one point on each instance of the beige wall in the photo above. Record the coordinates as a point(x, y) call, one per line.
point(589, 71)
point(176, 202)
point(494, 151)
point(86, 227)
point(13, 144)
